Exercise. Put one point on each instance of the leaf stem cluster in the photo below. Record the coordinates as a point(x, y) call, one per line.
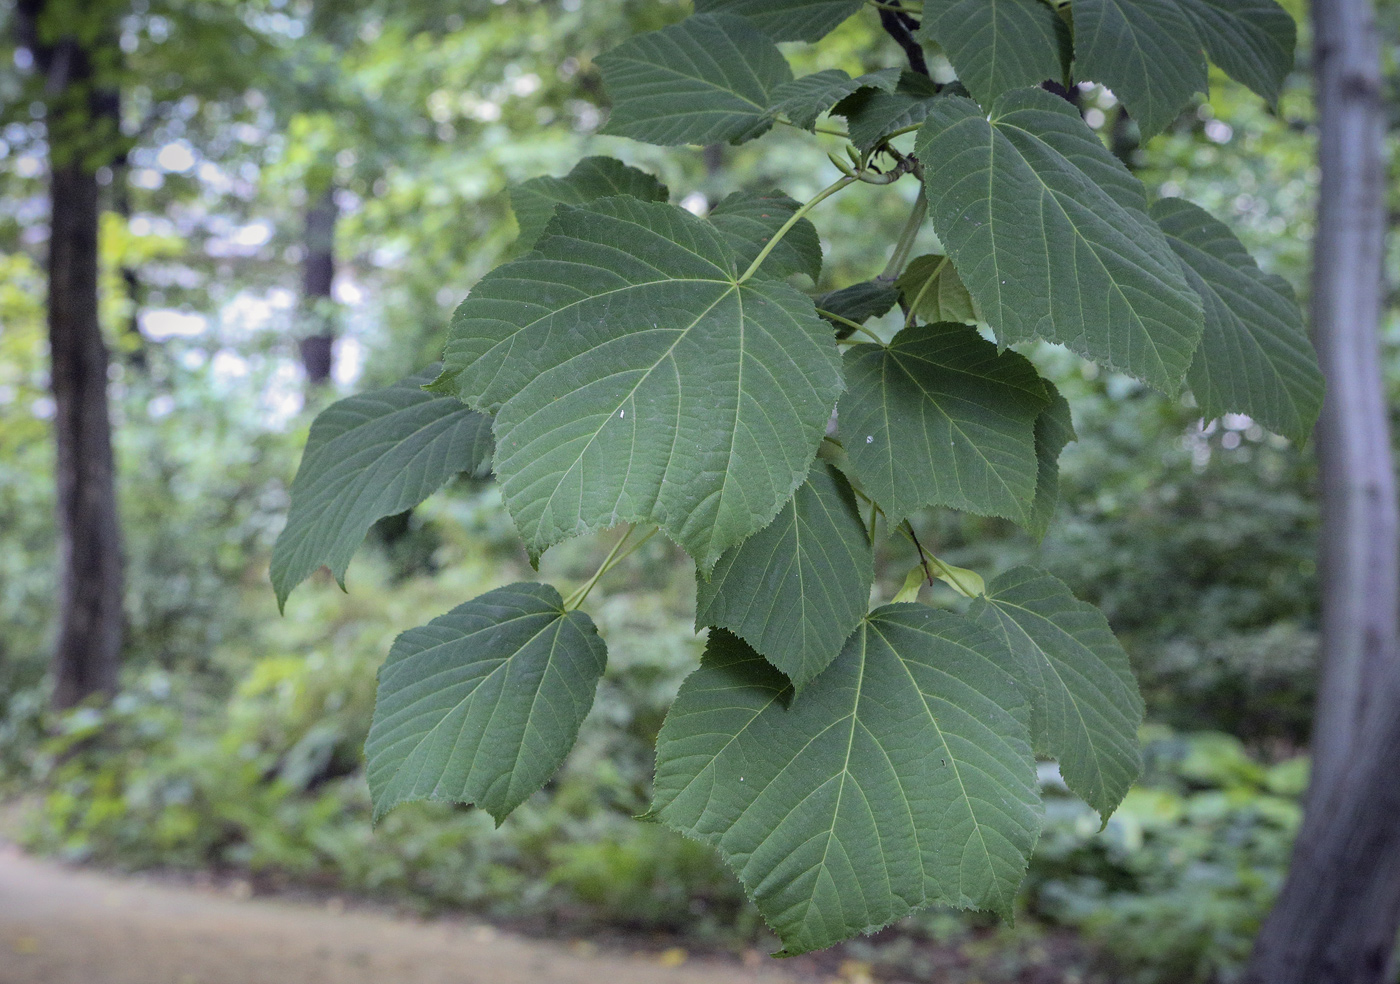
point(615, 556)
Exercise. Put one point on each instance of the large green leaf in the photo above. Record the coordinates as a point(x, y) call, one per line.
point(482, 704)
point(873, 114)
point(534, 201)
point(941, 418)
point(804, 99)
point(639, 381)
point(1086, 709)
point(796, 589)
point(371, 456)
point(708, 79)
point(1050, 233)
point(1146, 51)
point(749, 220)
point(1255, 356)
point(1054, 428)
point(1252, 40)
point(788, 20)
point(857, 303)
point(996, 45)
point(901, 776)
point(931, 287)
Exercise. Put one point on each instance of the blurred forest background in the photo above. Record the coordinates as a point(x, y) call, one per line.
point(311, 187)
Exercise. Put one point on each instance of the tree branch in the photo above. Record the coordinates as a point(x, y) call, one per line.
point(901, 26)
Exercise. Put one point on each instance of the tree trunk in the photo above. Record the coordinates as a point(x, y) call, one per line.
point(318, 277)
point(1337, 916)
point(82, 123)
point(88, 651)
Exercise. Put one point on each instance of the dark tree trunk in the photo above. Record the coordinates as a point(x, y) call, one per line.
point(1337, 916)
point(82, 124)
point(88, 651)
point(318, 276)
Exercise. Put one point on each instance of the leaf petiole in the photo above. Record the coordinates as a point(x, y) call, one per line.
point(833, 316)
point(821, 196)
point(905, 246)
point(919, 297)
point(615, 556)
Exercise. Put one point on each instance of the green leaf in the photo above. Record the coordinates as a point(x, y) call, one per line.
point(1050, 233)
point(639, 381)
point(901, 777)
point(858, 302)
point(996, 45)
point(941, 418)
point(930, 285)
point(1146, 51)
point(371, 456)
point(803, 100)
point(749, 220)
point(593, 177)
point(796, 589)
point(1255, 356)
point(1086, 709)
point(787, 20)
point(873, 114)
point(1054, 428)
point(482, 704)
point(1252, 40)
point(708, 79)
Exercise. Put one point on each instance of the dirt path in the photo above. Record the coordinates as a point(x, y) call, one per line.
point(60, 925)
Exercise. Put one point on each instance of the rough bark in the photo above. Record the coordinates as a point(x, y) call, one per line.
point(318, 275)
point(81, 117)
point(1337, 916)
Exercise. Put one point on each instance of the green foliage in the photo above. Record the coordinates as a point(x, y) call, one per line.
point(827, 803)
point(876, 111)
point(696, 396)
point(707, 79)
point(643, 365)
point(1086, 266)
point(482, 704)
point(371, 456)
point(1254, 355)
point(853, 306)
point(788, 20)
point(939, 417)
point(931, 289)
point(1146, 51)
point(796, 589)
point(1085, 708)
point(803, 100)
point(534, 201)
point(997, 45)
